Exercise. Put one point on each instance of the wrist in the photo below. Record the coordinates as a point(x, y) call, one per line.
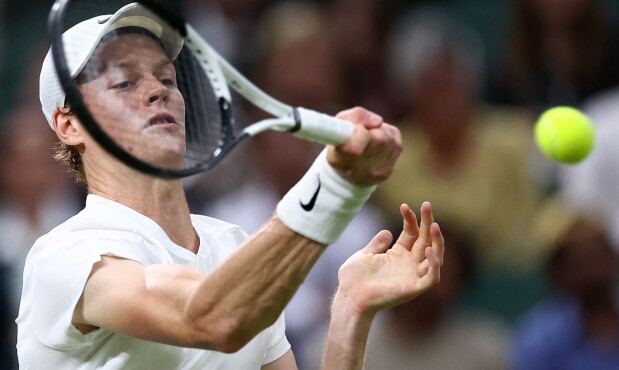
point(347, 335)
point(343, 305)
point(322, 204)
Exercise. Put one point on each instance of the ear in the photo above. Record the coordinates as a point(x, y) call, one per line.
point(68, 127)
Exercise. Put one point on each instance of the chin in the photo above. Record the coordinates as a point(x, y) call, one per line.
point(169, 158)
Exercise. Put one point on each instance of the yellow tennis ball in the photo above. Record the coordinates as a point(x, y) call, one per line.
point(565, 134)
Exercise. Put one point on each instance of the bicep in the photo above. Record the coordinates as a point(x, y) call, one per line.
point(146, 302)
point(286, 362)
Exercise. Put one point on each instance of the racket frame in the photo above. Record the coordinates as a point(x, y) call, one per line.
point(221, 74)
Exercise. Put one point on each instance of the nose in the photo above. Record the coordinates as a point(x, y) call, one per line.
point(156, 92)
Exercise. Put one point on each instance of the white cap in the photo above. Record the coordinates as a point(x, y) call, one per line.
point(81, 40)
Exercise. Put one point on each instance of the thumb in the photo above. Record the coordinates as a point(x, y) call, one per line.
point(355, 145)
point(379, 243)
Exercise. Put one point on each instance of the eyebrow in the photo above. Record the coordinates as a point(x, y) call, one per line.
point(128, 65)
point(90, 72)
point(125, 64)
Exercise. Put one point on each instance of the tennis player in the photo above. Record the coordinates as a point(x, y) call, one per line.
point(134, 281)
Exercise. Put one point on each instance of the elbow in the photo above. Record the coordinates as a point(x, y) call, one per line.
point(226, 335)
point(231, 341)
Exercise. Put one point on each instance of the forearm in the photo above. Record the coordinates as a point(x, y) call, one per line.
point(248, 292)
point(254, 285)
point(347, 336)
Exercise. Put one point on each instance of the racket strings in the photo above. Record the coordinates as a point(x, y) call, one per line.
point(204, 121)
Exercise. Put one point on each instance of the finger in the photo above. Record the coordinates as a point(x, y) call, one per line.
point(379, 244)
point(386, 147)
point(394, 134)
point(410, 231)
point(376, 163)
point(438, 242)
point(366, 151)
point(373, 140)
point(339, 157)
point(362, 116)
point(433, 275)
point(425, 238)
point(423, 268)
point(395, 142)
point(373, 121)
point(357, 143)
point(438, 246)
point(427, 218)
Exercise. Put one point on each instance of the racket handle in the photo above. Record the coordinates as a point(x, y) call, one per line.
point(322, 128)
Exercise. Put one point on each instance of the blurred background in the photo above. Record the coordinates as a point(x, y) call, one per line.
point(530, 276)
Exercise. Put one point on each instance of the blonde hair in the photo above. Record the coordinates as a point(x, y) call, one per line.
point(70, 156)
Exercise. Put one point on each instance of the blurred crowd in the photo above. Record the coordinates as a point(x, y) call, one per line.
point(529, 279)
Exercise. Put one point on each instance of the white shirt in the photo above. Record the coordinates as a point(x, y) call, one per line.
point(57, 269)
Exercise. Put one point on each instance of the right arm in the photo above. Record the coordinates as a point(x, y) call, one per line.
point(179, 305)
point(224, 309)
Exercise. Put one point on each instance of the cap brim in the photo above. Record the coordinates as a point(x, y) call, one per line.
point(132, 15)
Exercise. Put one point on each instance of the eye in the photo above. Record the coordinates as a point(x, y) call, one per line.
point(123, 85)
point(170, 82)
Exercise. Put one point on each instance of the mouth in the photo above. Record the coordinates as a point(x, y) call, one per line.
point(161, 119)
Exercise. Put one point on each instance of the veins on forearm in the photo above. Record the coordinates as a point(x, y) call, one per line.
point(254, 285)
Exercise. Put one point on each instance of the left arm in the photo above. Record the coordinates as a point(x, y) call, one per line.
point(378, 277)
point(375, 278)
point(286, 362)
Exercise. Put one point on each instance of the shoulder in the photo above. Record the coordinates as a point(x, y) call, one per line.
point(215, 226)
point(102, 227)
point(220, 236)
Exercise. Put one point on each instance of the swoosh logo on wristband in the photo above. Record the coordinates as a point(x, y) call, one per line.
point(310, 205)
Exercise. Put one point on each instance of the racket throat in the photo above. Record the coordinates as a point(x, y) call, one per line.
point(227, 121)
point(297, 121)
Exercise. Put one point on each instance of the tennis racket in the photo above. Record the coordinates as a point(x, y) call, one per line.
point(130, 105)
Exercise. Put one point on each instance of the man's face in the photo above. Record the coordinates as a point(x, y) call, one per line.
point(130, 88)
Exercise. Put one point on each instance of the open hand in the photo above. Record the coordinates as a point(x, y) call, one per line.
point(378, 277)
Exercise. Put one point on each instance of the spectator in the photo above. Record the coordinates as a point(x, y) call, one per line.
point(577, 326)
point(558, 52)
point(591, 186)
point(227, 24)
point(360, 31)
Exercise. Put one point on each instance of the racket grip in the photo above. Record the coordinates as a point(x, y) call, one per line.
point(322, 128)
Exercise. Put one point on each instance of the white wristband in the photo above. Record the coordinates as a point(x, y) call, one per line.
point(322, 204)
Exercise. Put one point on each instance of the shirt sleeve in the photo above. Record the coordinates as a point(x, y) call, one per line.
point(58, 279)
point(279, 344)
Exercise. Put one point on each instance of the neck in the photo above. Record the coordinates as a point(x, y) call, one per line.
point(162, 200)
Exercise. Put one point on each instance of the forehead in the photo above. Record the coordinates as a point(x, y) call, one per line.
point(123, 51)
point(118, 47)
